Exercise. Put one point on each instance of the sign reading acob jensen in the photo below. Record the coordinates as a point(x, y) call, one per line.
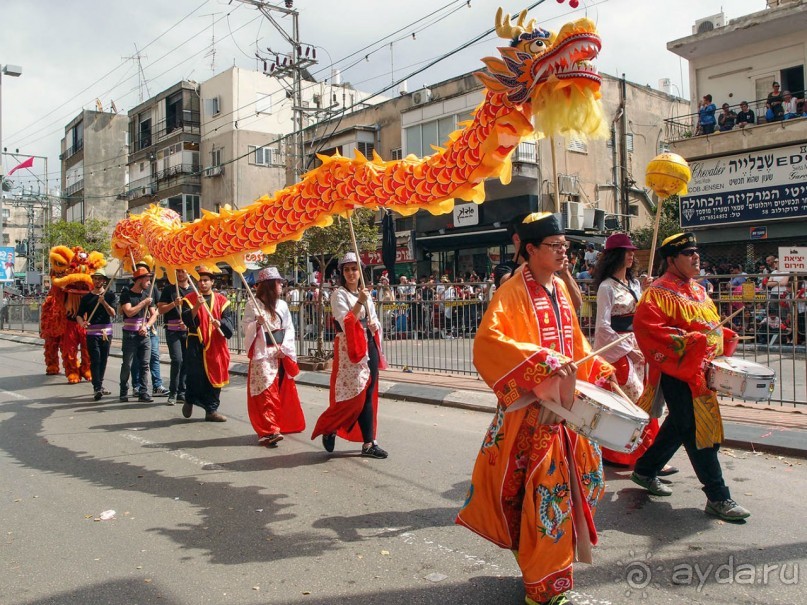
point(748, 187)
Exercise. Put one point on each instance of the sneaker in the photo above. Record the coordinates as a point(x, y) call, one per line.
point(329, 442)
point(172, 400)
point(373, 451)
point(651, 484)
point(124, 398)
point(187, 409)
point(144, 398)
point(160, 391)
point(105, 391)
point(97, 396)
point(181, 397)
point(728, 510)
point(560, 599)
point(215, 417)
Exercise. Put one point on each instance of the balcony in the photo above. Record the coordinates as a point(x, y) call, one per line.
point(163, 179)
point(188, 124)
point(74, 188)
point(73, 150)
point(525, 152)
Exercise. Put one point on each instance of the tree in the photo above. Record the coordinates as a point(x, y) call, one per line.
point(92, 235)
point(668, 225)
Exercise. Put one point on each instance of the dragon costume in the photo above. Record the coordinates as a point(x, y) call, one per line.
point(70, 280)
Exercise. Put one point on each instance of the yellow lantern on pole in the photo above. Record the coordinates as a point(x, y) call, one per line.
point(668, 174)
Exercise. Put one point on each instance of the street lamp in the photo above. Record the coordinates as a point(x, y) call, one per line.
point(14, 71)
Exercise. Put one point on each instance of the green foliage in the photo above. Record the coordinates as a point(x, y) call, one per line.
point(92, 235)
point(668, 225)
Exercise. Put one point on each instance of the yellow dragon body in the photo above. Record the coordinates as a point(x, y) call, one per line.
point(540, 76)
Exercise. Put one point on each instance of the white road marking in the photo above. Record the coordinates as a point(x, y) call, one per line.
point(181, 454)
point(14, 395)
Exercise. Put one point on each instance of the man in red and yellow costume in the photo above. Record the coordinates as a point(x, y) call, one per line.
point(536, 483)
point(677, 327)
point(70, 280)
point(208, 357)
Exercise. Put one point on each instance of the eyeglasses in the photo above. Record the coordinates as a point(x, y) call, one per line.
point(558, 246)
point(689, 252)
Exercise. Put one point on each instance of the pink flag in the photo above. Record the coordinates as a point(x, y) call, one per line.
point(26, 164)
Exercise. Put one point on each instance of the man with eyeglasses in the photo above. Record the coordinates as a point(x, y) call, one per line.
point(677, 328)
point(536, 483)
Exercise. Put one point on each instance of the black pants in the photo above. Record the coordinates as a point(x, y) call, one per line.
point(177, 343)
point(136, 349)
point(679, 429)
point(366, 418)
point(199, 390)
point(98, 347)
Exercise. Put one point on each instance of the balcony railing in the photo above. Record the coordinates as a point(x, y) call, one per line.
point(188, 123)
point(74, 188)
point(525, 152)
point(74, 150)
point(163, 179)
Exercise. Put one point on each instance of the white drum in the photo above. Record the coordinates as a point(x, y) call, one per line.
point(741, 378)
point(604, 417)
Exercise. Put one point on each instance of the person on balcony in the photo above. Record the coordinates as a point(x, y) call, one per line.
point(706, 115)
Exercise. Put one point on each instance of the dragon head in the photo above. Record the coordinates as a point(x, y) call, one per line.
point(71, 268)
point(552, 72)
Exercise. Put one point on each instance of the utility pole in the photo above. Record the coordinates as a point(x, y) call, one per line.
point(292, 65)
point(624, 187)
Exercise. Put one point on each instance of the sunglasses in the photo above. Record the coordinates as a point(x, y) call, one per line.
point(689, 252)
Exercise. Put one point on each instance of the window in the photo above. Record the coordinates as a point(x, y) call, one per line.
point(215, 157)
point(144, 133)
point(577, 145)
point(6, 214)
point(628, 139)
point(397, 154)
point(419, 139)
point(366, 149)
point(173, 112)
point(185, 205)
point(212, 106)
point(263, 102)
point(6, 238)
point(260, 156)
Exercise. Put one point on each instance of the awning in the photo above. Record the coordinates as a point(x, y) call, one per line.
point(585, 239)
point(464, 239)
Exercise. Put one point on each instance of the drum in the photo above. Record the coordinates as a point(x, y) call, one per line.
point(604, 417)
point(741, 378)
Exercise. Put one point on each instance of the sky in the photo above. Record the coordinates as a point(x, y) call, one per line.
point(75, 52)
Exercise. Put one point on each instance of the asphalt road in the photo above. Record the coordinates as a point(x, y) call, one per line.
point(204, 516)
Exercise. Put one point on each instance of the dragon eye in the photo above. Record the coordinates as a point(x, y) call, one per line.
point(537, 46)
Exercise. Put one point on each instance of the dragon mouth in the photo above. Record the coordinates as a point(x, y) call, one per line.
point(571, 58)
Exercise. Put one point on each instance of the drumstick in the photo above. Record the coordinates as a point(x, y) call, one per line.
point(615, 386)
point(725, 321)
point(602, 349)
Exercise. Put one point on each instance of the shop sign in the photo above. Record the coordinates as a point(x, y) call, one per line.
point(793, 259)
point(466, 215)
point(759, 233)
point(747, 187)
point(402, 255)
point(254, 260)
point(7, 265)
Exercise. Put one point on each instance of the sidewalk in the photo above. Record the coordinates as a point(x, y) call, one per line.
point(747, 425)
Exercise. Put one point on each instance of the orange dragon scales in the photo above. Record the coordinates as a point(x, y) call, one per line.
point(541, 76)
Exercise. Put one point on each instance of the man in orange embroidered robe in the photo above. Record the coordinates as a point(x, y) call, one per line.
point(208, 357)
point(536, 483)
point(677, 329)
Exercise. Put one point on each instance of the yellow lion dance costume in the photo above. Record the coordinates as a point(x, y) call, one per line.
point(70, 280)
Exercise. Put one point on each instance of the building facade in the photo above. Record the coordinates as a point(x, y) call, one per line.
point(473, 238)
point(747, 196)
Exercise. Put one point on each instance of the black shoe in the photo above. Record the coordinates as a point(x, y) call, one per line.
point(187, 409)
point(160, 391)
point(181, 397)
point(373, 451)
point(651, 484)
point(124, 398)
point(144, 398)
point(329, 442)
point(97, 396)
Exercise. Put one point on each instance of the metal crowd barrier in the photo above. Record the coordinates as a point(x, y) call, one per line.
point(432, 328)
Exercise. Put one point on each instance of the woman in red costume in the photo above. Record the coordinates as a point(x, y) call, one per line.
point(357, 353)
point(272, 400)
point(617, 294)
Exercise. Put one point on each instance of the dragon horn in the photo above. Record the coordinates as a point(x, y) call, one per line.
point(504, 26)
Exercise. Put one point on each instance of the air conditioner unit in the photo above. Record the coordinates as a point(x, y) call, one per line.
point(707, 24)
point(574, 216)
point(594, 219)
point(567, 184)
point(419, 97)
point(214, 171)
point(148, 190)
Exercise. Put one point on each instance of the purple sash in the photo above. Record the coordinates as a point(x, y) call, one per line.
point(99, 330)
point(133, 324)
